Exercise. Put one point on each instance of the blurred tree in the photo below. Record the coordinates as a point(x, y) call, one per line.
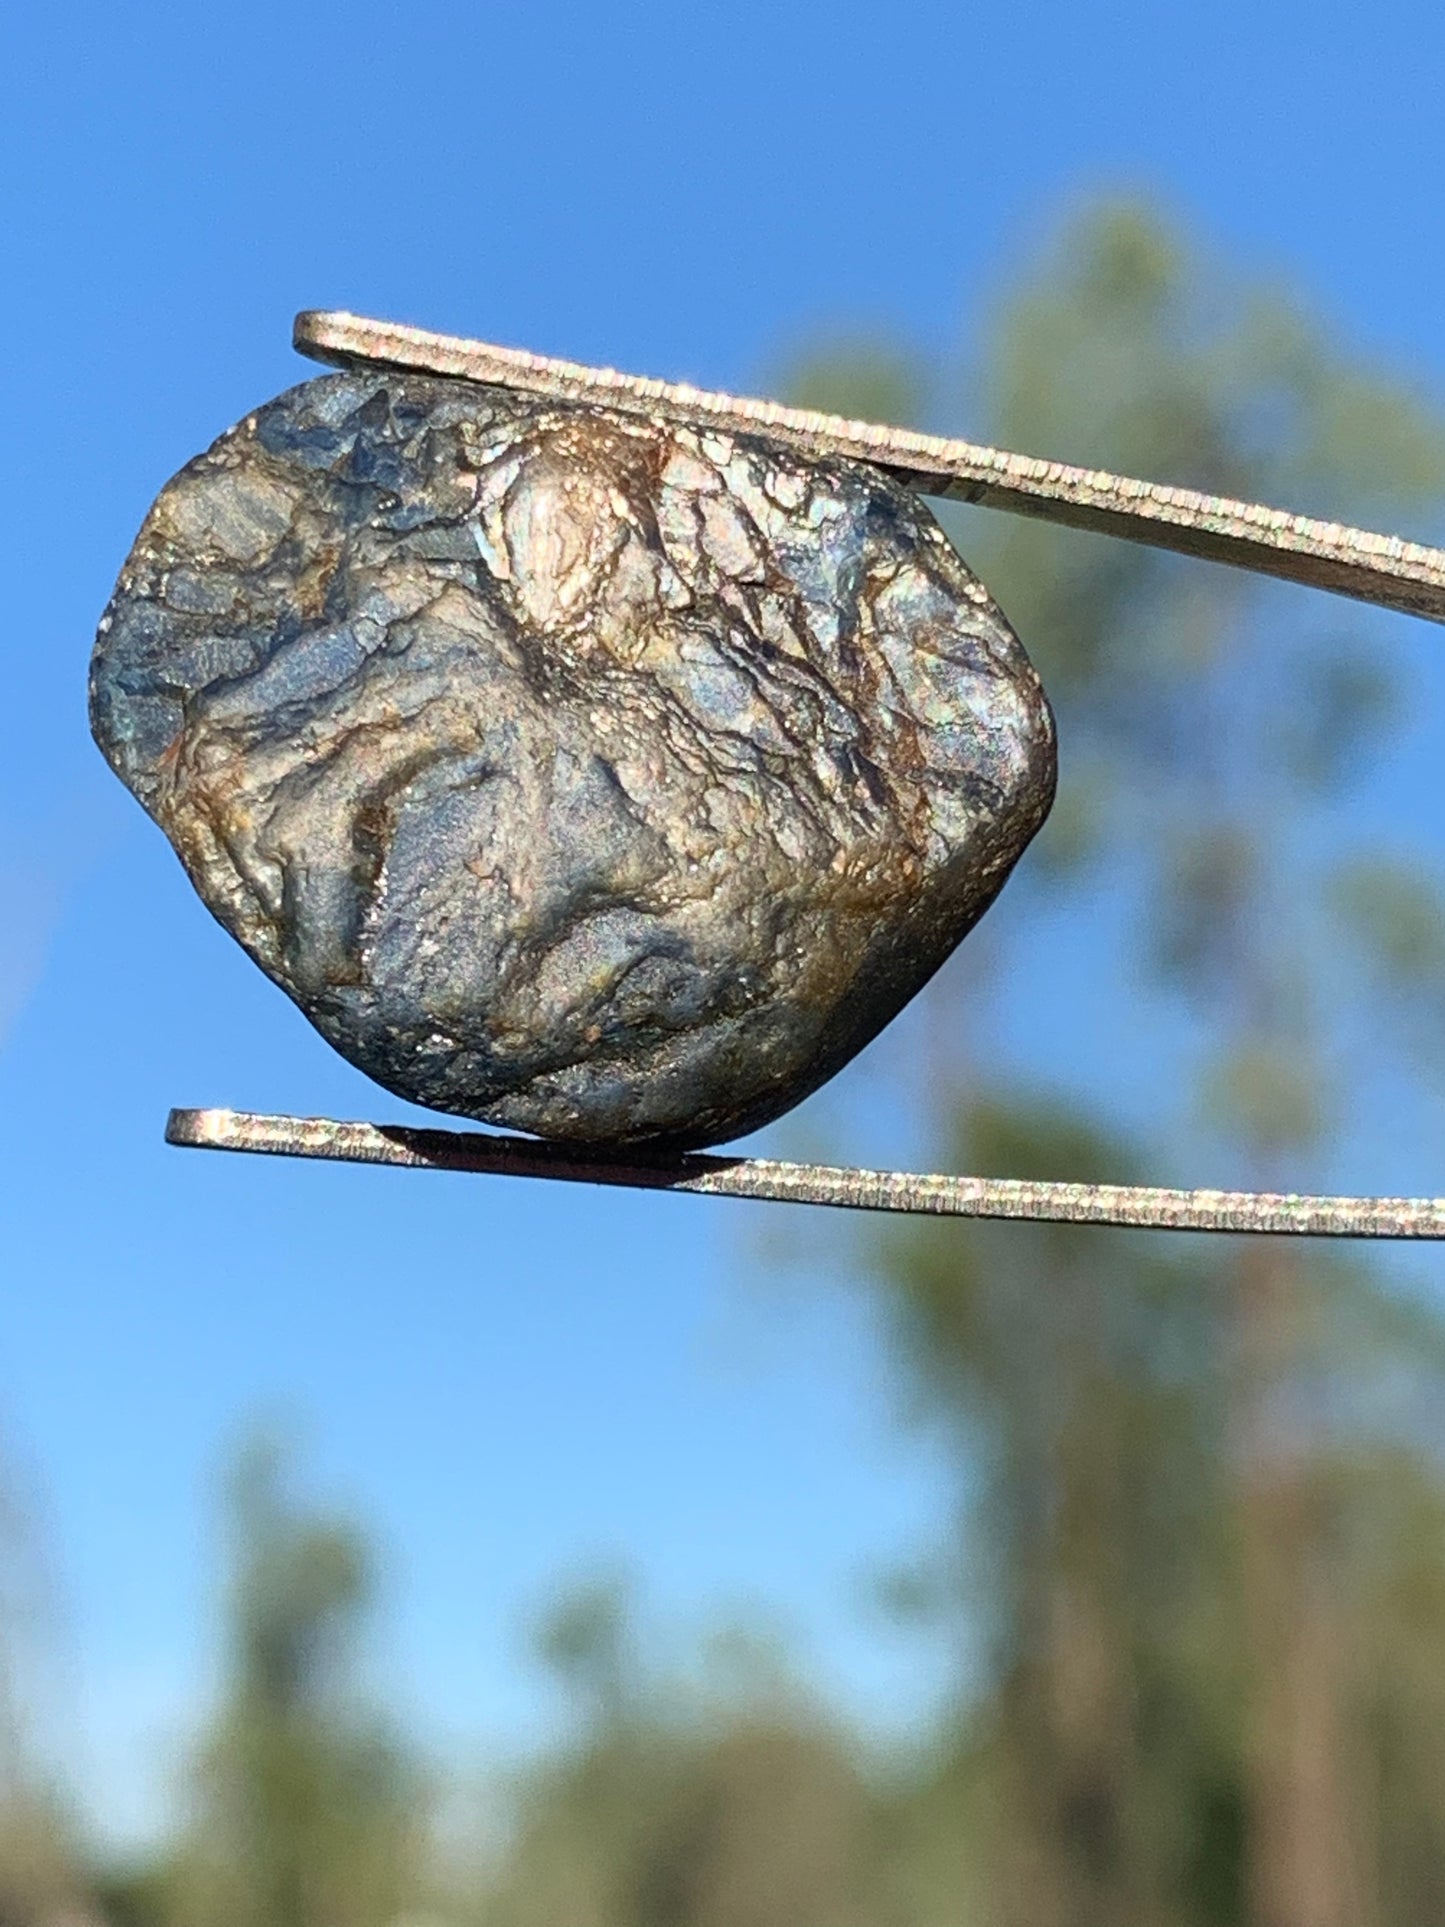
point(676, 1806)
point(42, 1873)
point(307, 1812)
point(1199, 1614)
point(858, 376)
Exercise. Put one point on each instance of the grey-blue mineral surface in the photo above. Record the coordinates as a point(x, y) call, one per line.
point(608, 779)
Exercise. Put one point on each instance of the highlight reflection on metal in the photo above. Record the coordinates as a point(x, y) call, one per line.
point(1143, 1206)
point(1323, 555)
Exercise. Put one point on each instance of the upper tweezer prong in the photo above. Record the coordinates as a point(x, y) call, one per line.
point(1381, 569)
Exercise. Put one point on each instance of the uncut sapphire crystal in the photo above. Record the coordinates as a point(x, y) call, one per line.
point(608, 779)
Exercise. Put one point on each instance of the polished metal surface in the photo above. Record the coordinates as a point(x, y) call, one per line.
point(1143, 1206)
point(1382, 569)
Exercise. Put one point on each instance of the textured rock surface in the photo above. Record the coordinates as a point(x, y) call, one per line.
point(601, 778)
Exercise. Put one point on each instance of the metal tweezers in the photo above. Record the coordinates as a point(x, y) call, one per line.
point(1381, 569)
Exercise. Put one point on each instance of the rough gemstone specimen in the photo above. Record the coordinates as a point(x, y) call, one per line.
point(582, 773)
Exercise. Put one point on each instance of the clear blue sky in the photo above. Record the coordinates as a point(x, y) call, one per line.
point(505, 1381)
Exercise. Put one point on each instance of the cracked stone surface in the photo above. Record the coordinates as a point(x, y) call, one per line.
point(602, 778)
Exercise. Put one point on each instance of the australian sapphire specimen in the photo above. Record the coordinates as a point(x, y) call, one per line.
point(600, 777)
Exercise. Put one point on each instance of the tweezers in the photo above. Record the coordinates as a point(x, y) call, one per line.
point(1381, 569)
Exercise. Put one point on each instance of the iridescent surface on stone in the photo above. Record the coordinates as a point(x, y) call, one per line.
point(611, 780)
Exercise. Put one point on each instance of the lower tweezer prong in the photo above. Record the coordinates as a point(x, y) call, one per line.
point(1147, 1207)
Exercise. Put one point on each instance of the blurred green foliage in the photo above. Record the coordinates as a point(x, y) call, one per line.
point(303, 1808)
point(699, 1799)
point(1195, 1571)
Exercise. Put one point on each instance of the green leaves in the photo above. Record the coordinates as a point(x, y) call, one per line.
point(1264, 1093)
point(1207, 874)
point(307, 1809)
point(1341, 709)
point(861, 377)
point(1395, 914)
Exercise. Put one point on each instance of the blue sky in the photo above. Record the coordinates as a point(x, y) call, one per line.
point(506, 1381)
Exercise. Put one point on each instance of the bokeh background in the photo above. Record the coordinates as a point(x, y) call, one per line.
point(380, 1548)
